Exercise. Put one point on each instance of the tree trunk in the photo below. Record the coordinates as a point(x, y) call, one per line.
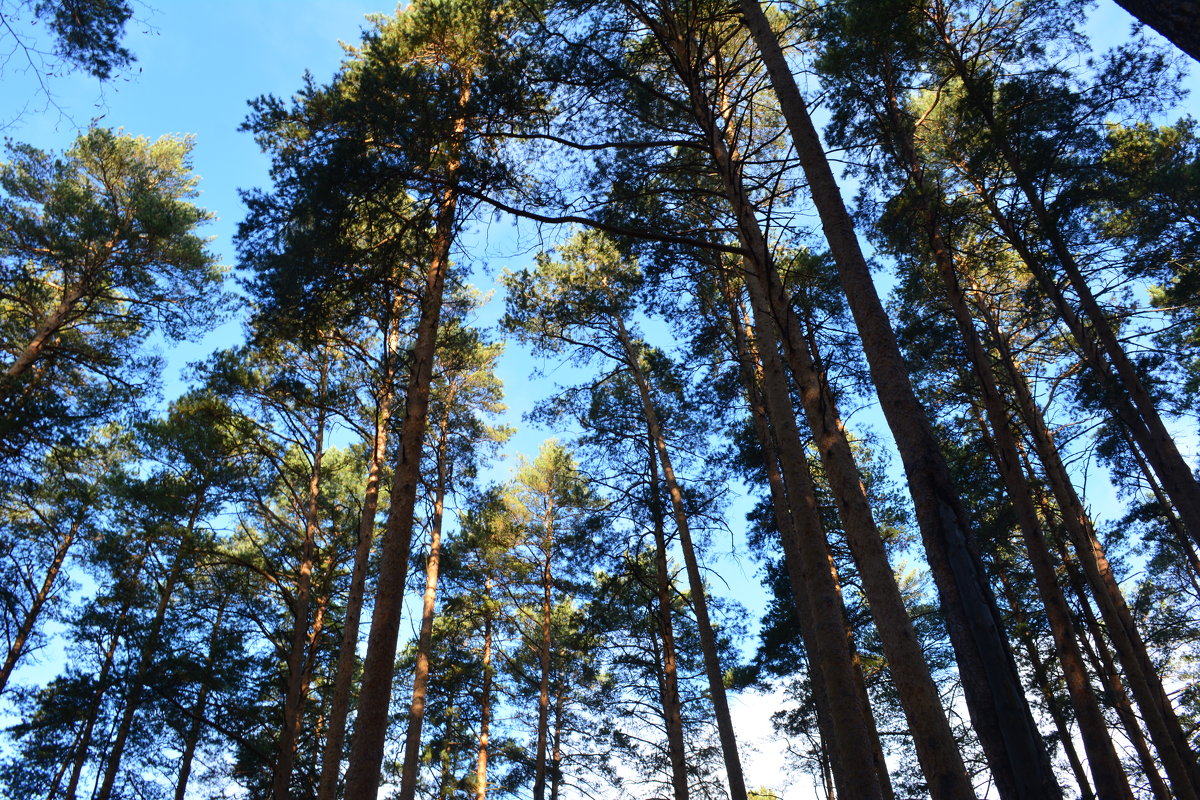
point(995, 698)
point(366, 754)
point(331, 759)
point(669, 681)
point(1153, 701)
point(708, 639)
point(857, 766)
point(146, 656)
point(485, 697)
point(46, 331)
point(15, 650)
point(416, 713)
point(293, 702)
point(1176, 20)
point(751, 375)
point(192, 740)
point(543, 716)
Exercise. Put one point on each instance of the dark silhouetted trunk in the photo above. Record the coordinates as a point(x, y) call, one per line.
point(1000, 714)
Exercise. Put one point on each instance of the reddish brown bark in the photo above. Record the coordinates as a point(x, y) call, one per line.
point(331, 759)
point(416, 712)
point(366, 755)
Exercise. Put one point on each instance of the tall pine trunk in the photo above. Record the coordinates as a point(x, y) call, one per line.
point(672, 706)
point(485, 698)
point(366, 754)
point(708, 639)
point(995, 698)
point(416, 712)
point(331, 759)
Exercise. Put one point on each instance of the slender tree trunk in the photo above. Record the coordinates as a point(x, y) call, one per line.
point(16, 649)
point(862, 769)
point(1101, 348)
point(147, 654)
point(293, 702)
point(331, 759)
point(708, 638)
point(672, 706)
point(416, 712)
point(85, 738)
point(485, 698)
point(1041, 679)
point(543, 716)
point(556, 746)
point(192, 740)
point(366, 754)
point(1152, 700)
point(995, 698)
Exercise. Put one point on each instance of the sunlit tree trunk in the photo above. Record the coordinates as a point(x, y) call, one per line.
point(485, 698)
point(416, 711)
point(331, 759)
point(366, 754)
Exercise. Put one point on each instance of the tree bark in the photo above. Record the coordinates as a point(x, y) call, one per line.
point(708, 638)
point(1176, 20)
point(366, 754)
point(543, 716)
point(672, 706)
point(15, 650)
point(995, 698)
point(416, 712)
point(485, 698)
point(331, 759)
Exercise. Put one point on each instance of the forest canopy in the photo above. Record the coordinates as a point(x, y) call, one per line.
point(657, 399)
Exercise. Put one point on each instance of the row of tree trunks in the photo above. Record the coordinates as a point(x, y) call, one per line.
point(1016, 754)
point(672, 705)
point(1098, 342)
point(1161, 721)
